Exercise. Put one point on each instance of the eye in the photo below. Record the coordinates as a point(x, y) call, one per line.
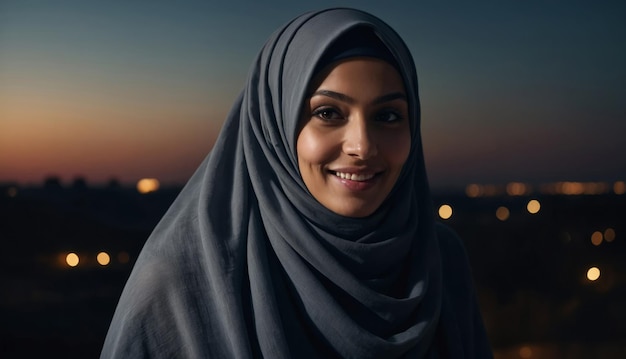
point(388, 116)
point(327, 114)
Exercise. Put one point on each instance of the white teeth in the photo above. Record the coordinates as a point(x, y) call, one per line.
point(354, 176)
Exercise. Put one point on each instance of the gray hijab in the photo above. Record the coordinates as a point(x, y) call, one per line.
point(246, 263)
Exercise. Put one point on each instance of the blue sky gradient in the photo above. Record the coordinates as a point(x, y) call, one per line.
point(510, 90)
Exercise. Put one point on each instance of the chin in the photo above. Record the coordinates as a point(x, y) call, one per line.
point(355, 211)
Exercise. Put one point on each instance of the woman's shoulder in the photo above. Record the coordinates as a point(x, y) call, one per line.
point(460, 303)
point(450, 245)
point(157, 312)
point(455, 265)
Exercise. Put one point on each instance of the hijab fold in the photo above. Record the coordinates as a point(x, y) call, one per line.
point(247, 264)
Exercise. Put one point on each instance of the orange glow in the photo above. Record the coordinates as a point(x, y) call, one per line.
point(578, 188)
point(147, 185)
point(502, 213)
point(40, 134)
point(123, 257)
point(445, 211)
point(12, 192)
point(103, 258)
point(72, 259)
point(473, 190)
point(609, 235)
point(516, 189)
point(570, 188)
point(525, 352)
point(593, 273)
point(490, 190)
point(479, 190)
point(596, 188)
point(548, 188)
point(619, 187)
point(596, 238)
point(533, 206)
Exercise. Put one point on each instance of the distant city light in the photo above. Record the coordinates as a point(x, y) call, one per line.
point(502, 213)
point(147, 185)
point(619, 187)
point(517, 189)
point(596, 238)
point(533, 206)
point(596, 188)
point(473, 190)
point(576, 188)
point(487, 190)
point(609, 235)
point(445, 211)
point(570, 188)
point(103, 258)
point(593, 273)
point(490, 190)
point(72, 259)
point(123, 257)
point(525, 352)
point(12, 191)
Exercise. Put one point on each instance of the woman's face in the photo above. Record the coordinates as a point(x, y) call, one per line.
point(354, 135)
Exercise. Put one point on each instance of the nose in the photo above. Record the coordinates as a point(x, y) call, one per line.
point(359, 140)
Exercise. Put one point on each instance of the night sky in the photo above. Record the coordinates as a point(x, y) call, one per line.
point(510, 90)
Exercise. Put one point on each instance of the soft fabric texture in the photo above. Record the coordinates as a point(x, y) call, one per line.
point(247, 264)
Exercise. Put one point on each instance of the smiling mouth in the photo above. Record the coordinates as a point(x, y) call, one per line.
point(360, 177)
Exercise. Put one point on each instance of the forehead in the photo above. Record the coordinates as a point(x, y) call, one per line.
point(357, 75)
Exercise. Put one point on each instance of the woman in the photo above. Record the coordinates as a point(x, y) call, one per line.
point(308, 231)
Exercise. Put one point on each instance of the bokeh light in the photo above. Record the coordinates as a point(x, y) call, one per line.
point(609, 234)
point(72, 259)
point(533, 206)
point(596, 188)
point(596, 238)
point(103, 258)
point(473, 190)
point(525, 352)
point(12, 191)
point(619, 187)
point(490, 190)
point(123, 257)
point(147, 185)
point(516, 189)
point(593, 273)
point(571, 188)
point(502, 213)
point(445, 211)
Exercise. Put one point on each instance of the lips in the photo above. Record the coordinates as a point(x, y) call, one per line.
point(357, 179)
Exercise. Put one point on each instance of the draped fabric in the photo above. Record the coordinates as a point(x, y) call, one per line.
point(247, 264)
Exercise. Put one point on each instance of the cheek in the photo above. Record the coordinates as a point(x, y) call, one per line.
point(313, 148)
point(397, 148)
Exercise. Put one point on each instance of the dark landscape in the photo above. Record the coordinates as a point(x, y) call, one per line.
point(530, 269)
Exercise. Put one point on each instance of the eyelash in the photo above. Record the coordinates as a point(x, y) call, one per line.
point(320, 111)
point(323, 112)
point(397, 116)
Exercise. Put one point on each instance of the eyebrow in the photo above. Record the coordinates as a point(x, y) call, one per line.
point(345, 98)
